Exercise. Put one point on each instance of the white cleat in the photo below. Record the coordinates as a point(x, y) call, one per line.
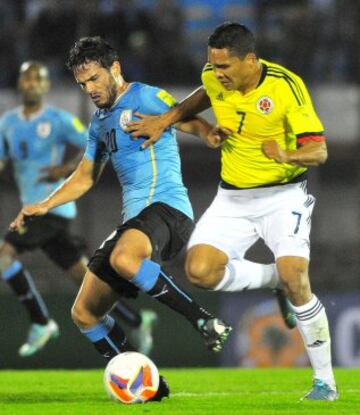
point(38, 336)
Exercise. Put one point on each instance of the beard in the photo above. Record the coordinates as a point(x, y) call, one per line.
point(111, 93)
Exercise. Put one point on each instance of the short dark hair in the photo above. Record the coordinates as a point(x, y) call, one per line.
point(235, 37)
point(89, 49)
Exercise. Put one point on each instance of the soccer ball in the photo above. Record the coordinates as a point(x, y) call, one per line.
point(131, 377)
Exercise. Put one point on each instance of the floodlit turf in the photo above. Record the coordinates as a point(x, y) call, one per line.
point(194, 391)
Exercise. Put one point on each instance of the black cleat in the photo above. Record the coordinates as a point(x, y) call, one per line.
point(215, 333)
point(162, 392)
point(287, 313)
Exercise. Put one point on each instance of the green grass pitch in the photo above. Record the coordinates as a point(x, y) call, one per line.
point(193, 392)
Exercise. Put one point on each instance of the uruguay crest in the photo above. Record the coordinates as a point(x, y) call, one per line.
point(125, 117)
point(43, 129)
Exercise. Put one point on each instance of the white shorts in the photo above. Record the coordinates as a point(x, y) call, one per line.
point(236, 219)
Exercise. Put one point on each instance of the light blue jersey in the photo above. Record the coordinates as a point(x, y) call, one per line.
point(39, 142)
point(146, 176)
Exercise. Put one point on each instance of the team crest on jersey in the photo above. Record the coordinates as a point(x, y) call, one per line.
point(43, 129)
point(265, 105)
point(125, 117)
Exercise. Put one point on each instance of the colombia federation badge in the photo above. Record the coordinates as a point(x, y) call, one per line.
point(265, 105)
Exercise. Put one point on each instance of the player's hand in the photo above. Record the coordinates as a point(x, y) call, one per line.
point(273, 151)
point(150, 126)
point(37, 209)
point(53, 174)
point(217, 136)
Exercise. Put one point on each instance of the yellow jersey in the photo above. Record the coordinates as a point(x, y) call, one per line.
point(279, 109)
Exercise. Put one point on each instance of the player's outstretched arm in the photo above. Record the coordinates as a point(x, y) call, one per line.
point(312, 153)
point(81, 181)
point(152, 126)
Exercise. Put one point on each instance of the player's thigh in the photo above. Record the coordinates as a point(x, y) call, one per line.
point(233, 236)
point(132, 247)
point(286, 230)
point(95, 297)
point(99, 265)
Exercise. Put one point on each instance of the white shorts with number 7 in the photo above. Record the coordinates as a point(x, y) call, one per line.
point(236, 219)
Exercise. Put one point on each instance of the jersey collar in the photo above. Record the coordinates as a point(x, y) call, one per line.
point(263, 74)
point(33, 116)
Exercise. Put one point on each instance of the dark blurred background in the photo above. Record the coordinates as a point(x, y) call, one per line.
point(164, 42)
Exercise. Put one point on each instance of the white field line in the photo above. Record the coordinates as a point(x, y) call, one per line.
point(199, 394)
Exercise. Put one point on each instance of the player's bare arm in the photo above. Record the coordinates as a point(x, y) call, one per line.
point(80, 182)
point(51, 174)
point(217, 136)
point(312, 153)
point(152, 126)
point(212, 135)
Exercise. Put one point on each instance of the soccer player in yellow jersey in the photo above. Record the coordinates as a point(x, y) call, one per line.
point(269, 135)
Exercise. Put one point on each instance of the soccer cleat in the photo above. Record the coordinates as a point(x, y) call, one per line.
point(38, 336)
point(215, 333)
point(142, 336)
point(162, 392)
point(287, 313)
point(321, 391)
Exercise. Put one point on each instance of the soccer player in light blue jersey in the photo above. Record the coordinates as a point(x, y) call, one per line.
point(34, 137)
point(158, 217)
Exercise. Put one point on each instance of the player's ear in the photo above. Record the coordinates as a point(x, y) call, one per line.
point(251, 57)
point(115, 69)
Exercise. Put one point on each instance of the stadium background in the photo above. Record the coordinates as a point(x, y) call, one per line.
point(164, 42)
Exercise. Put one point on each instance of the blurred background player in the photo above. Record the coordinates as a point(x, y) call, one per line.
point(35, 137)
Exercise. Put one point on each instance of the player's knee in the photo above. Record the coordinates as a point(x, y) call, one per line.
point(125, 264)
point(5, 262)
point(199, 272)
point(82, 317)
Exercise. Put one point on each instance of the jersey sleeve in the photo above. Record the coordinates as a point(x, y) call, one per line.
point(73, 130)
point(155, 101)
point(301, 115)
point(210, 83)
point(95, 149)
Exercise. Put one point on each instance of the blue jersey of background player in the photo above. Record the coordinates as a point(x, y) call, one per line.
point(146, 177)
point(36, 143)
point(34, 137)
point(158, 213)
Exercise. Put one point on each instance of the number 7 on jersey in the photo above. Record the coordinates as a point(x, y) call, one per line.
point(242, 119)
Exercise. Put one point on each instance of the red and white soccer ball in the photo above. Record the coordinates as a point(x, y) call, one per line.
point(131, 377)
